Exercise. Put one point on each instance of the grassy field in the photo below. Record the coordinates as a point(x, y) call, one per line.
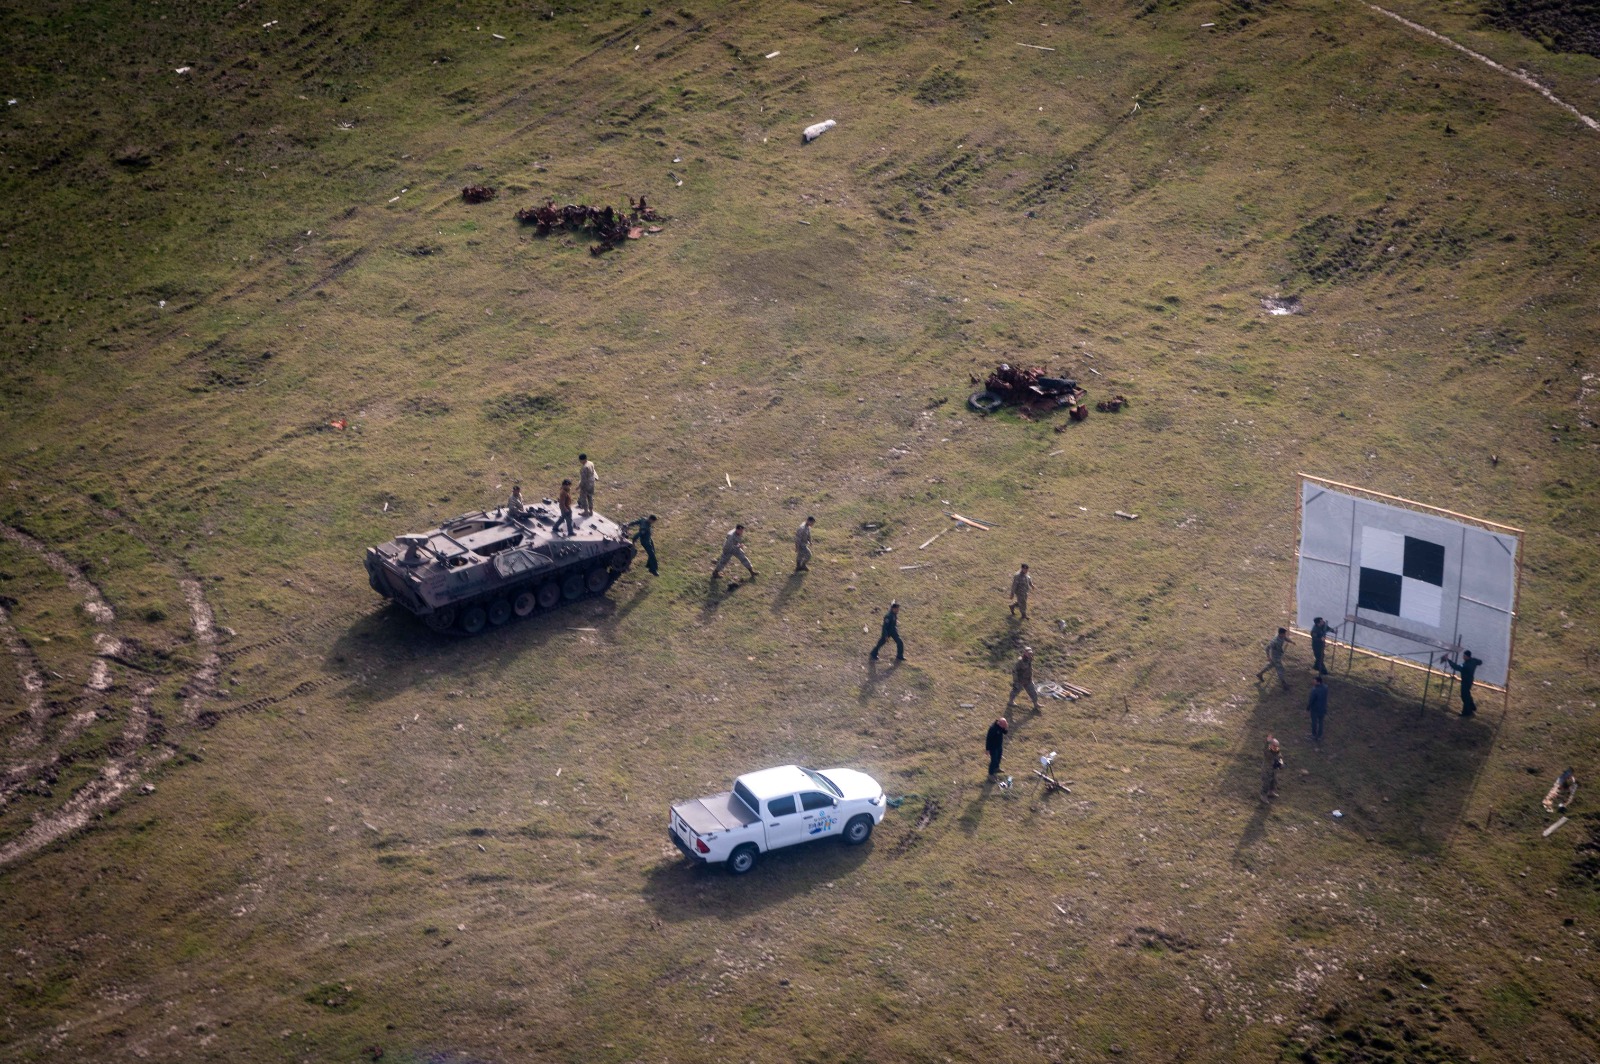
point(251, 813)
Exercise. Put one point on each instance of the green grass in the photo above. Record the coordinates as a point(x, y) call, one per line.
point(467, 834)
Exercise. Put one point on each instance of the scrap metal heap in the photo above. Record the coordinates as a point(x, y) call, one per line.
point(485, 568)
point(1031, 390)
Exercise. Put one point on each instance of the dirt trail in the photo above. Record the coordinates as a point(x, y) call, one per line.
point(31, 673)
point(94, 603)
point(1507, 71)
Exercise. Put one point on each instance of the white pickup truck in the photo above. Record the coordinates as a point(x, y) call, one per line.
point(774, 808)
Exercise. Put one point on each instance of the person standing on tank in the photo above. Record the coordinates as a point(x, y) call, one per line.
point(585, 484)
point(564, 502)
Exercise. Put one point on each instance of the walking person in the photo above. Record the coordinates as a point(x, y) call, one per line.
point(1275, 657)
point(890, 630)
point(802, 545)
point(1468, 670)
point(1021, 584)
point(1319, 640)
point(1022, 680)
point(643, 535)
point(1317, 706)
point(1562, 794)
point(585, 484)
point(733, 547)
point(564, 501)
point(1271, 762)
point(995, 743)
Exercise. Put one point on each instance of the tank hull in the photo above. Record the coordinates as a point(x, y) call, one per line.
point(489, 568)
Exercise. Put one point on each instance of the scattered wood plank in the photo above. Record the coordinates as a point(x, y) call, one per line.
point(969, 521)
point(1549, 830)
point(1041, 47)
point(936, 535)
point(923, 565)
point(1127, 516)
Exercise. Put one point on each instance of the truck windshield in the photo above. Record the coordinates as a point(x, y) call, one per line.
point(824, 782)
point(741, 792)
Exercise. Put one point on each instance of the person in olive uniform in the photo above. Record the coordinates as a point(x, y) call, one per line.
point(802, 545)
point(1468, 668)
point(733, 547)
point(1319, 641)
point(1022, 680)
point(995, 743)
point(1275, 658)
point(586, 484)
point(1021, 585)
point(643, 536)
point(891, 630)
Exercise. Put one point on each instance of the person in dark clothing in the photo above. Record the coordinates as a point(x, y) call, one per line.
point(1317, 706)
point(645, 527)
point(1319, 639)
point(995, 743)
point(1468, 668)
point(891, 630)
point(564, 501)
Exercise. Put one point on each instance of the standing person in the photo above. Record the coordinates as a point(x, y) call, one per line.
point(1271, 762)
point(1022, 680)
point(1319, 640)
point(891, 630)
point(1021, 584)
point(515, 505)
point(564, 501)
point(643, 536)
point(1468, 670)
point(1317, 706)
point(733, 547)
point(586, 484)
point(1275, 657)
point(802, 545)
point(995, 743)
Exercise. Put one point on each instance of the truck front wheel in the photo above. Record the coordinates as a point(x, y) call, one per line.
point(742, 860)
point(859, 830)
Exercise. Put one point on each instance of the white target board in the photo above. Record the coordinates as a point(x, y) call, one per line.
point(1417, 579)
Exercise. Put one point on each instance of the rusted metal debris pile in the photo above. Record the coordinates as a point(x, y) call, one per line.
point(478, 193)
point(609, 225)
point(1032, 391)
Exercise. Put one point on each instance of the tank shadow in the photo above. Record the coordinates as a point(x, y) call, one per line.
point(389, 651)
point(678, 889)
point(1399, 774)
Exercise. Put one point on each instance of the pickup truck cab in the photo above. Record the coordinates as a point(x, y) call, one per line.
point(774, 808)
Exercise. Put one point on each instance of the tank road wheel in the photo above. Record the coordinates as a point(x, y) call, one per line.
point(859, 830)
point(573, 586)
point(742, 860)
point(549, 594)
point(597, 580)
point(442, 620)
point(525, 603)
point(499, 612)
point(473, 620)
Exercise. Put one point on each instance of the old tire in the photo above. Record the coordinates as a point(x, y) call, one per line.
point(525, 603)
point(499, 612)
point(597, 580)
point(442, 620)
point(859, 830)
point(549, 594)
point(474, 619)
point(985, 402)
point(742, 859)
point(573, 586)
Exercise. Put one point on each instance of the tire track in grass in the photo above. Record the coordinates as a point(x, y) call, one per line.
point(1515, 75)
point(30, 672)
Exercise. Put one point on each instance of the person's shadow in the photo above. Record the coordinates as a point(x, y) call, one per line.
point(786, 592)
point(877, 673)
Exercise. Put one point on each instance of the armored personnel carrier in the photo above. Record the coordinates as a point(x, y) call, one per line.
point(485, 568)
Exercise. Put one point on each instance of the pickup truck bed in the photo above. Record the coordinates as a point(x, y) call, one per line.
point(718, 812)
